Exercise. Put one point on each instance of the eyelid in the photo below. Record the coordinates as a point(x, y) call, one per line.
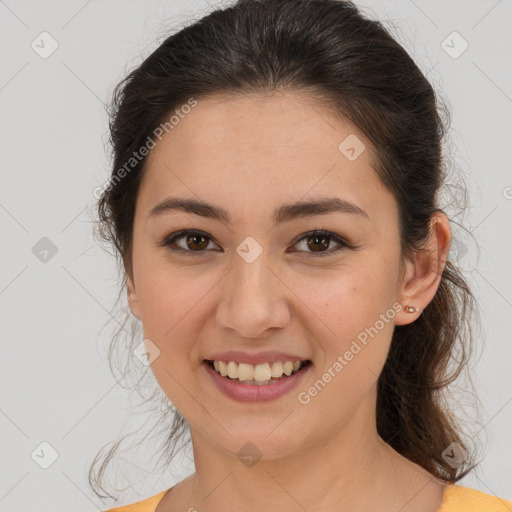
point(169, 239)
point(342, 243)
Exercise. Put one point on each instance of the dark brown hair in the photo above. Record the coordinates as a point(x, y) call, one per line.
point(358, 70)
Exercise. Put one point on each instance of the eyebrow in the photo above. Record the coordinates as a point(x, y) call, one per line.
point(284, 213)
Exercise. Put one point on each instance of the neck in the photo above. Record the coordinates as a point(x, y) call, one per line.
point(354, 470)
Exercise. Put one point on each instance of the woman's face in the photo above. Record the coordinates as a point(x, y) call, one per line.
point(257, 280)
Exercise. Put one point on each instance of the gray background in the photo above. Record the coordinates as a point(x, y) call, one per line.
point(55, 383)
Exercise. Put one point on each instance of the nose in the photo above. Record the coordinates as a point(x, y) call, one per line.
point(253, 299)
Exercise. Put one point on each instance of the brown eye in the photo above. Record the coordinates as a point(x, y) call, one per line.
point(318, 242)
point(196, 242)
point(187, 241)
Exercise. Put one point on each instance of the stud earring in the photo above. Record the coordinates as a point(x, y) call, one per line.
point(410, 309)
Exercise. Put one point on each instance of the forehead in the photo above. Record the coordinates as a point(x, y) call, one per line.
point(278, 146)
point(284, 124)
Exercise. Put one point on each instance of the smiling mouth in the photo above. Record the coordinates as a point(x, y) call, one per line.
point(257, 375)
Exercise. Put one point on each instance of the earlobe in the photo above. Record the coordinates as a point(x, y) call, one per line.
point(424, 272)
point(133, 301)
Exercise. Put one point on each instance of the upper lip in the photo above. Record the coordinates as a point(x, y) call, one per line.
point(259, 358)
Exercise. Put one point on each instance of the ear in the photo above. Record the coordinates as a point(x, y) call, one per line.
point(133, 301)
point(422, 274)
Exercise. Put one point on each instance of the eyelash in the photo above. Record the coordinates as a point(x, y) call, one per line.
point(169, 240)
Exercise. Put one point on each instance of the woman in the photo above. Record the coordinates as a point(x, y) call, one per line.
point(274, 201)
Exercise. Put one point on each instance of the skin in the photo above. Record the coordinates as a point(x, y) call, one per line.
point(250, 154)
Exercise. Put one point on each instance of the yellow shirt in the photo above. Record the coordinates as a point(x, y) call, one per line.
point(455, 499)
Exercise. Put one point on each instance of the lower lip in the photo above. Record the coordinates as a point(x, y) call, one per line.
point(255, 393)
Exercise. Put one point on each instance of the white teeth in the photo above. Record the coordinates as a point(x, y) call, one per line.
point(277, 369)
point(246, 371)
point(288, 368)
point(232, 370)
point(223, 368)
point(261, 372)
point(256, 374)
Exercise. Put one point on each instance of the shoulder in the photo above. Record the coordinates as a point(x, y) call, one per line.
point(147, 505)
point(463, 499)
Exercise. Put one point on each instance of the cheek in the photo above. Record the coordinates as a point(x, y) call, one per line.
point(169, 308)
point(355, 316)
point(170, 294)
point(354, 354)
point(173, 304)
